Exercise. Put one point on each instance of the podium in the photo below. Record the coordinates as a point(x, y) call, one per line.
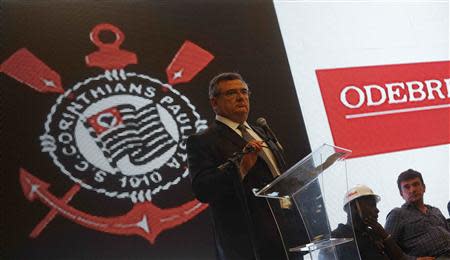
point(311, 192)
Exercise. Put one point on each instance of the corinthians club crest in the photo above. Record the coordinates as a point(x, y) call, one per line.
point(120, 134)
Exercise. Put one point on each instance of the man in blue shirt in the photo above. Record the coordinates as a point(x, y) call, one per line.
point(418, 228)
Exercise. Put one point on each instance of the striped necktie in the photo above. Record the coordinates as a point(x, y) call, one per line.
point(248, 137)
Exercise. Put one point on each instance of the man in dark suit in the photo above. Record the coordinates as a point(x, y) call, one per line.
point(244, 227)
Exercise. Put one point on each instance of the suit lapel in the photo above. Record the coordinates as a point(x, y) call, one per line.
point(229, 134)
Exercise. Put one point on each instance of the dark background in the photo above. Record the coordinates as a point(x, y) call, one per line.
point(242, 35)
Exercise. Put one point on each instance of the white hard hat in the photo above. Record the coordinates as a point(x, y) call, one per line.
point(359, 191)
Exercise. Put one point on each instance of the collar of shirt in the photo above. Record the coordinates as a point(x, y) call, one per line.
point(233, 125)
point(410, 205)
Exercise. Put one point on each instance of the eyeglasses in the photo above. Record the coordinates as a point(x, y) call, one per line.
point(233, 93)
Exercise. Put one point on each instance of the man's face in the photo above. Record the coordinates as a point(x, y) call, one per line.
point(412, 190)
point(232, 101)
point(368, 207)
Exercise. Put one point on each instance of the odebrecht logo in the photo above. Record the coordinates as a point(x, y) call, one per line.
point(387, 108)
point(121, 134)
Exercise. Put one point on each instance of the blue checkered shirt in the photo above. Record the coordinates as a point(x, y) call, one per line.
point(419, 234)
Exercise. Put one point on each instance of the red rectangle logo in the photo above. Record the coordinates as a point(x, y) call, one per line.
point(380, 109)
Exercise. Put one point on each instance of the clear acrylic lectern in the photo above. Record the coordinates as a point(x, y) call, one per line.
point(311, 192)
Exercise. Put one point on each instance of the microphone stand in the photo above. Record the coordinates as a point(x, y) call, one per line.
point(235, 159)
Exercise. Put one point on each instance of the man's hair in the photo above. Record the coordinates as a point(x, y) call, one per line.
point(408, 175)
point(214, 83)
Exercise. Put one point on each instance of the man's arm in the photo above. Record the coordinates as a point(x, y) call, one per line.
point(209, 183)
point(389, 244)
point(446, 223)
point(391, 247)
point(394, 225)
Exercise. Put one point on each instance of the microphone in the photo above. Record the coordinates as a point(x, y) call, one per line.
point(236, 158)
point(261, 122)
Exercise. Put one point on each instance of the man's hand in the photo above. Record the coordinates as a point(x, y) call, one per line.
point(381, 232)
point(249, 159)
point(376, 227)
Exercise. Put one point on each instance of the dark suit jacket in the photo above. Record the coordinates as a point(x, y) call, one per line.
point(243, 224)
